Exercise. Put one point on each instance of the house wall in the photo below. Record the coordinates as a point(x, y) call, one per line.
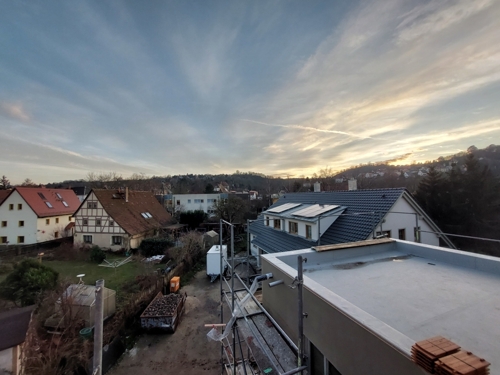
point(54, 229)
point(13, 230)
point(102, 235)
point(395, 221)
point(6, 360)
point(344, 342)
point(186, 202)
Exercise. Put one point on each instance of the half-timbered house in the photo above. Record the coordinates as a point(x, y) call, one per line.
point(116, 219)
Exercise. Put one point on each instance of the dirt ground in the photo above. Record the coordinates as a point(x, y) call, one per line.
point(187, 351)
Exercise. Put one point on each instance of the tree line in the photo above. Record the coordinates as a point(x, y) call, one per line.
point(464, 203)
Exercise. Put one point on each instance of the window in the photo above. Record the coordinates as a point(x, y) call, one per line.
point(11, 207)
point(98, 222)
point(178, 202)
point(3, 239)
point(277, 224)
point(19, 206)
point(4, 224)
point(116, 240)
point(57, 220)
point(49, 205)
point(56, 234)
point(211, 200)
point(58, 195)
point(42, 196)
point(309, 232)
point(189, 200)
point(69, 218)
point(91, 204)
point(65, 204)
point(402, 234)
point(111, 223)
point(293, 227)
point(198, 201)
point(87, 239)
point(85, 221)
point(47, 221)
point(20, 239)
point(21, 223)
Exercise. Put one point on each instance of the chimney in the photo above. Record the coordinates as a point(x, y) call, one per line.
point(317, 187)
point(126, 194)
point(352, 184)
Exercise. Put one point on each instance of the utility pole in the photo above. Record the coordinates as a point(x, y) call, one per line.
point(98, 325)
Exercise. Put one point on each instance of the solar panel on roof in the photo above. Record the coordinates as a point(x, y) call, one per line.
point(315, 210)
point(284, 207)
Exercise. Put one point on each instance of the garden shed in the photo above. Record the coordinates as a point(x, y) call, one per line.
point(79, 301)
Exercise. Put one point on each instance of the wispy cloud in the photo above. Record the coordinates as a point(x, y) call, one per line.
point(14, 111)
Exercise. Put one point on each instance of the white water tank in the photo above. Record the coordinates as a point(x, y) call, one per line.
point(213, 260)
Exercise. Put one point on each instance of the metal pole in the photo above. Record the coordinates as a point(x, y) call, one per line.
point(233, 273)
point(248, 251)
point(221, 300)
point(300, 315)
point(417, 232)
point(98, 324)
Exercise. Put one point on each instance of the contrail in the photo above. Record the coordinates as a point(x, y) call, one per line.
point(305, 128)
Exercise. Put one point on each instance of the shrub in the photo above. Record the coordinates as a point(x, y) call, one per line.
point(155, 246)
point(97, 255)
point(27, 281)
point(6, 268)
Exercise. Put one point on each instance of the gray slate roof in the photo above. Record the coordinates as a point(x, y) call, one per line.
point(344, 229)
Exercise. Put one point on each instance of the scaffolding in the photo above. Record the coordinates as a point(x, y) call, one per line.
point(252, 342)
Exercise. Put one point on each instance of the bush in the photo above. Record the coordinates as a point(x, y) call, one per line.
point(6, 268)
point(27, 281)
point(155, 246)
point(97, 255)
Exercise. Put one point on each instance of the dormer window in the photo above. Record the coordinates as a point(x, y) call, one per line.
point(277, 224)
point(308, 232)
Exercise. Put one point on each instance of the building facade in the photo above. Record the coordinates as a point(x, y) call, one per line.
point(36, 215)
point(118, 220)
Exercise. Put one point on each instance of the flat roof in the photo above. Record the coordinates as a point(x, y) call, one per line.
point(407, 292)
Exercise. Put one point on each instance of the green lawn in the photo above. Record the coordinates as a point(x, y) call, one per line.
point(114, 278)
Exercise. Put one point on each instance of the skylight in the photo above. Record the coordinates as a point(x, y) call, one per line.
point(59, 196)
point(42, 196)
point(65, 204)
point(284, 207)
point(146, 215)
point(315, 210)
point(49, 205)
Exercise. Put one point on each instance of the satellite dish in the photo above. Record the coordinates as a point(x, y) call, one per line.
point(80, 276)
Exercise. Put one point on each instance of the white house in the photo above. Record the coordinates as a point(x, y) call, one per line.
point(301, 220)
point(35, 215)
point(116, 219)
point(195, 202)
point(14, 325)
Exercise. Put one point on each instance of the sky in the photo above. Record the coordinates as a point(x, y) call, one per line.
point(276, 87)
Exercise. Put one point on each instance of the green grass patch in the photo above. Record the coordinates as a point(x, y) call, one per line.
point(114, 278)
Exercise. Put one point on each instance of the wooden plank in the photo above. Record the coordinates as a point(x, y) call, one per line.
point(349, 245)
point(277, 344)
point(251, 307)
point(263, 356)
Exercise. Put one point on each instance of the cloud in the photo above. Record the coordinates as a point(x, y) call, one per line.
point(14, 111)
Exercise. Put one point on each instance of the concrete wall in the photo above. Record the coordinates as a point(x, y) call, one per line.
point(337, 328)
point(395, 221)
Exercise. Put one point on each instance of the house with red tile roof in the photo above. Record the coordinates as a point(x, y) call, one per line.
point(30, 215)
point(119, 219)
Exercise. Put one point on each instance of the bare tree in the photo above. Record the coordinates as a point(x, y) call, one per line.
point(4, 183)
